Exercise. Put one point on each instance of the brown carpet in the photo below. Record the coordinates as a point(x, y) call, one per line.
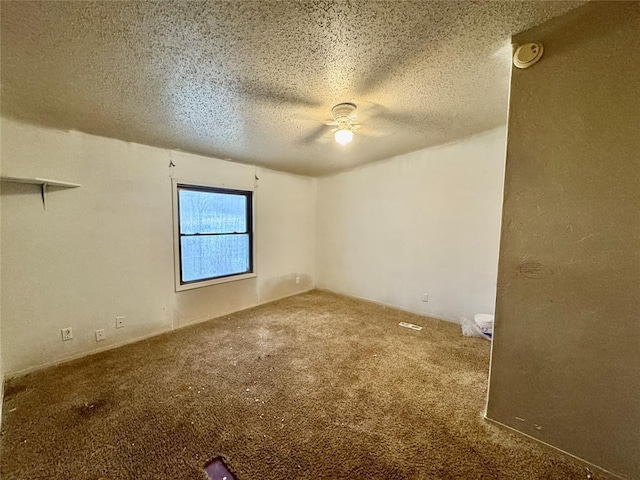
point(316, 386)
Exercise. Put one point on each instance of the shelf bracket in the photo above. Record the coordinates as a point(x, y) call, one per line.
point(43, 192)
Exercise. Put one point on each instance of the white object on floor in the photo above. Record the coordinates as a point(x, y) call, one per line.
point(410, 325)
point(471, 329)
point(484, 322)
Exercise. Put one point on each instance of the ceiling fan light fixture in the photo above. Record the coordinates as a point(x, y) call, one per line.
point(343, 136)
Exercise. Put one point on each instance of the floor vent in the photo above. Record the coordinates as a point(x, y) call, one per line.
point(410, 325)
point(217, 470)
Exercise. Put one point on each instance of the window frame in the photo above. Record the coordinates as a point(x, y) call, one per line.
point(177, 243)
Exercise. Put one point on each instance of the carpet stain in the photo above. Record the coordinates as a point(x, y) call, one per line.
point(92, 408)
point(13, 389)
point(313, 387)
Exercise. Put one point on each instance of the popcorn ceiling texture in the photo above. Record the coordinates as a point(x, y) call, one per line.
point(253, 81)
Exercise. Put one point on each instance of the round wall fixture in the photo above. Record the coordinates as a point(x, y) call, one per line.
point(527, 55)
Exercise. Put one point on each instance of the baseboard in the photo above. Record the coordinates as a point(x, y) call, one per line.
point(594, 468)
point(390, 305)
point(76, 356)
point(257, 304)
point(1, 396)
point(71, 358)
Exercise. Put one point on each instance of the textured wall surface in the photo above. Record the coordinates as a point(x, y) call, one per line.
point(566, 354)
point(254, 81)
point(428, 221)
point(1, 362)
point(106, 249)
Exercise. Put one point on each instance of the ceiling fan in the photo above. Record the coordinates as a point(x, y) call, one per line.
point(344, 120)
point(374, 119)
point(378, 122)
point(345, 123)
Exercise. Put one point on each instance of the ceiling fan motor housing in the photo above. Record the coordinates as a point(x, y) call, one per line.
point(343, 112)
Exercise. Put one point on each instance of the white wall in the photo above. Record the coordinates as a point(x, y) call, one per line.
point(106, 249)
point(428, 221)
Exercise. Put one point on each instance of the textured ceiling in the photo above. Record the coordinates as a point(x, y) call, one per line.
point(254, 81)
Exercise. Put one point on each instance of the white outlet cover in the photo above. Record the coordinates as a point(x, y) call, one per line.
point(100, 335)
point(119, 322)
point(67, 334)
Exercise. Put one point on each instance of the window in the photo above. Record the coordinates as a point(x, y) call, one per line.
point(214, 235)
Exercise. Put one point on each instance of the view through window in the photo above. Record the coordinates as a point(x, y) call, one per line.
point(215, 233)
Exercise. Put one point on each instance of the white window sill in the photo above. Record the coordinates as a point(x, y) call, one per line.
point(214, 281)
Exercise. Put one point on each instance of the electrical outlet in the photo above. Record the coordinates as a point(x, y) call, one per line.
point(67, 334)
point(425, 297)
point(297, 279)
point(119, 322)
point(100, 335)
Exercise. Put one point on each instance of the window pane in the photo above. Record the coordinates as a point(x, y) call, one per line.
point(214, 256)
point(208, 212)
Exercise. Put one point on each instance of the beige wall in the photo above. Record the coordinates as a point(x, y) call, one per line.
point(566, 355)
point(428, 221)
point(106, 249)
point(1, 363)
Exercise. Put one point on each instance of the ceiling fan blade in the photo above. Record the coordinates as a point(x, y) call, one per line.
point(273, 94)
point(315, 134)
point(368, 110)
point(407, 120)
point(404, 119)
point(369, 132)
point(382, 75)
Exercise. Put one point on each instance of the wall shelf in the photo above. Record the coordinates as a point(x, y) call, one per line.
point(44, 183)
